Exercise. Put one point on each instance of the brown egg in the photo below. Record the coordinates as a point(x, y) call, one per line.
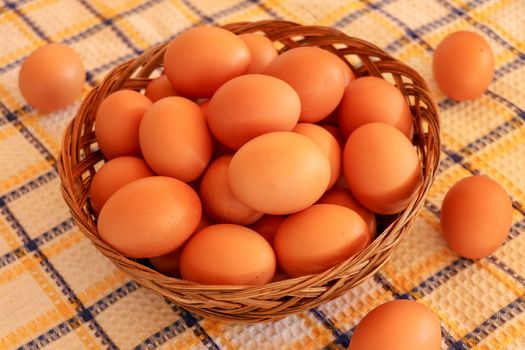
point(476, 216)
point(342, 196)
point(372, 99)
point(267, 226)
point(328, 144)
point(319, 238)
point(227, 254)
point(347, 72)
point(463, 65)
point(279, 173)
point(117, 123)
point(262, 51)
point(201, 59)
point(398, 325)
point(217, 198)
point(159, 88)
point(318, 77)
point(252, 105)
point(336, 132)
point(205, 106)
point(174, 138)
point(167, 264)
point(149, 217)
point(382, 168)
point(113, 175)
point(51, 77)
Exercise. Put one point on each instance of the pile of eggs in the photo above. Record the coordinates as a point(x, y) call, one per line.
point(237, 162)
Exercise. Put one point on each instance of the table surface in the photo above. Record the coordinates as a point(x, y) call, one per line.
point(58, 292)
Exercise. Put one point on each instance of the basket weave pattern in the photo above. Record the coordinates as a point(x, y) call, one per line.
point(79, 155)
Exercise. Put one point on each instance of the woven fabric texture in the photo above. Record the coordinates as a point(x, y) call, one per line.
point(58, 292)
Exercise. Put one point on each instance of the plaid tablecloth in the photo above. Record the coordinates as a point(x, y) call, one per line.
point(58, 292)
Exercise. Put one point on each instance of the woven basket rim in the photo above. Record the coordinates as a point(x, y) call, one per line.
point(276, 299)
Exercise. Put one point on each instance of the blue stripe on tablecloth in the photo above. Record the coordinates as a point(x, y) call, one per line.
point(192, 322)
point(341, 338)
point(160, 337)
point(354, 15)
point(109, 22)
point(29, 186)
point(204, 19)
point(54, 274)
point(500, 264)
point(28, 135)
point(34, 27)
point(428, 27)
point(495, 321)
point(32, 244)
point(266, 9)
point(94, 310)
point(482, 27)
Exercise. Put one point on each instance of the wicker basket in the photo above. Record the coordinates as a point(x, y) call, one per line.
point(79, 155)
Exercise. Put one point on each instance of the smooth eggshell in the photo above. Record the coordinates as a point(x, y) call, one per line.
point(372, 99)
point(463, 65)
point(117, 123)
point(382, 168)
point(149, 217)
point(328, 144)
point(51, 77)
point(342, 196)
point(113, 175)
point(347, 73)
point(158, 88)
point(252, 105)
point(398, 325)
point(169, 264)
point(318, 77)
point(227, 254)
point(476, 216)
point(175, 139)
point(319, 238)
point(262, 51)
point(279, 173)
point(217, 198)
point(268, 225)
point(199, 60)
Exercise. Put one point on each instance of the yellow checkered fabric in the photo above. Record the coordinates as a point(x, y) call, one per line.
point(58, 292)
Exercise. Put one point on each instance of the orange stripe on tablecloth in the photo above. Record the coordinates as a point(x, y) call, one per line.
point(29, 264)
point(457, 329)
point(92, 293)
point(36, 326)
point(482, 15)
point(353, 315)
point(322, 335)
point(252, 13)
point(501, 276)
point(24, 175)
point(109, 11)
point(192, 17)
point(425, 268)
point(34, 40)
point(506, 334)
point(64, 242)
point(32, 120)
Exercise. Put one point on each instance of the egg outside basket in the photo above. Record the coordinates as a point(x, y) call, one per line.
point(79, 156)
